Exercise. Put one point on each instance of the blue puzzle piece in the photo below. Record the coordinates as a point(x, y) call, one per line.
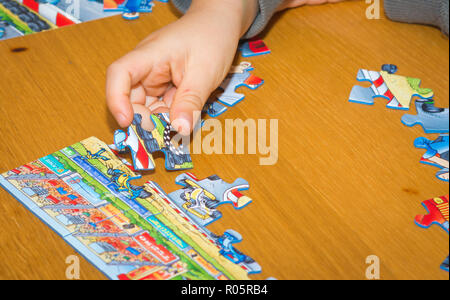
point(431, 118)
point(239, 76)
point(226, 243)
point(437, 154)
point(214, 108)
point(200, 198)
point(253, 48)
point(445, 264)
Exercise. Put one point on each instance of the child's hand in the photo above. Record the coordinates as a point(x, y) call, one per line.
point(296, 3)
point(183, 62)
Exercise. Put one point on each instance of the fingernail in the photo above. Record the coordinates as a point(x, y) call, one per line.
point(182, 124)
point(121, 119)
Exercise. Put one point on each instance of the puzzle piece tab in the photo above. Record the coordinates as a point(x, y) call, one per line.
point(239, 76)
point(444, 265)
point(200, 198)
point(142, 144)
point(431, 118)
point(437, 154)
point(253, 47)
point(398, 90)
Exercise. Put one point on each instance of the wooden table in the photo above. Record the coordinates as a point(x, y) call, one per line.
point(348, 181)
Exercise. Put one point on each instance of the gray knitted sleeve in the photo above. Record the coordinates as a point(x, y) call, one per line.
point(266, 10)
point(430, 12)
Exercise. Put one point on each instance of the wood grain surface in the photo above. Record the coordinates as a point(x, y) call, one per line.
point(347, 183)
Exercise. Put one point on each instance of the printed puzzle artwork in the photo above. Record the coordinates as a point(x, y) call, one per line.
point(438, 213)
point(22, 17)
point(85, 194)
point(397, 90)
point(237, 77)
point(432, 119)
point(253, 47)
point(142, 144)
point(436, 154)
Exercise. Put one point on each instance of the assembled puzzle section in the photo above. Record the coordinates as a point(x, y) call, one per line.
point(438, 214)
point(432, 119)
point(437, 154)
point(86, 195)
point(397, 90)
point(142, 144)
point(195, 206)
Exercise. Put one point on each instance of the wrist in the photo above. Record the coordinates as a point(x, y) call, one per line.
point(240, 13)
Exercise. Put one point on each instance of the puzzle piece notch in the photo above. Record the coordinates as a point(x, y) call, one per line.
point(237, 77)
point(226, 243)
point(437, 154)
point(397, 90)
point(143, 143)
point(254, 47)
point(438, 213)
point(200, 198)
point(432, 119)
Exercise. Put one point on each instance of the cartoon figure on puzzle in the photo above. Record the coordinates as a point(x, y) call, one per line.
point(97, 155)
point(200, 198)
point(432, 119)
point(438, 214)
point(130, 8)
point(142, 144)
point(437, 154)
point(226, 242)
point(122, 182)
point(253, 47)
point(398, 90)
point(237, 77)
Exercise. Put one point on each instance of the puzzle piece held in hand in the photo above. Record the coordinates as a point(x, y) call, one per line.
point(200, 198)
point(142, 144)
point(398, 90)
point(437, 154)
point(238, 76)
point(253, 47)
point(432, 119)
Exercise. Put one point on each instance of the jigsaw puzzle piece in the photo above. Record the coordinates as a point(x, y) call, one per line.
point(214, 108)
point(444, 265)
point(438, 213)
point(397, 90)
point(253, 47)
point(437, 154)
point(200, 198)
point(142, 144)
point(226, 245)
point(239, 76)
point(432, 119)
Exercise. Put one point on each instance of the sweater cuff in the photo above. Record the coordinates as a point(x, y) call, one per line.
point(429, 12)
point(267, 8)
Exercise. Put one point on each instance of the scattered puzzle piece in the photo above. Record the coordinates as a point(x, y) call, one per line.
point(238, 76)
point(200, 198)
point(437, 154)
point(253, 47)
point(431, 118)
point(398, 90)
point(438, 213)
point(142, 144)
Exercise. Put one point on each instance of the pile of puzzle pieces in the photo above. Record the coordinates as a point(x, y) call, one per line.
point(398, 91)
point(86, 194)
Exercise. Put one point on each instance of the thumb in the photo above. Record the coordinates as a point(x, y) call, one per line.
point(189, 99)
